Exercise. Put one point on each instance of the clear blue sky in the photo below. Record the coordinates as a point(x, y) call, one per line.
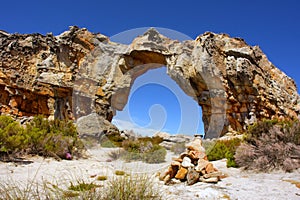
point(273, 25)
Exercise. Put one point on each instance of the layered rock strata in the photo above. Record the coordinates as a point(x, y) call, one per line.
point(78, 73)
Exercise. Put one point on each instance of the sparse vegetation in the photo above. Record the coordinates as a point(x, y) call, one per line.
point(40, 137)
point(156, 154)
point(116, 154)
point(269, 145)
point(83, 186)
point(178, 148)
point(120, 173)
point(133, 187)
point(136, 186)
point(224, 149)
point(101, 178)
point(146, 149)
point(112, 140)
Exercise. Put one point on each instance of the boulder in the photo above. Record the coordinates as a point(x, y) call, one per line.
point(95, 126)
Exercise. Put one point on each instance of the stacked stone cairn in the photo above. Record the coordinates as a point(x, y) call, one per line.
point(191, 166)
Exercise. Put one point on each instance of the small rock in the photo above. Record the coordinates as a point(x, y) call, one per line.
point(210, 168)
point(181, 174)
point(201, 165)
point(167, 179)
point(182, 155)
point(192, 176)
point(209, 180)
point(186, 162)
point(165, 173)
point(213, 174)
point(196, 155)
point(195, 145)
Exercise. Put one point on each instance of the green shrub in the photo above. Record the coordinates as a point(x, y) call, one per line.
point(153, 140)
point(5, 121)
point(106, 143)
point(12, 138)
point(224, 149)
point(115, 139)
point(40, 136)
point(132, 145)
point(156, 155)
point(144, 149)
point(270, 145)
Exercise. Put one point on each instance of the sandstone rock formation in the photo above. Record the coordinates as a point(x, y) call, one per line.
point(78, 73)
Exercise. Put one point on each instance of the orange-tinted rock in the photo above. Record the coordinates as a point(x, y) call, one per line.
point(100, 92)
point(195, 145)
point(209, 168)
point(202, 163)
point(197, 155)
point(181, 174)
point(13, 102)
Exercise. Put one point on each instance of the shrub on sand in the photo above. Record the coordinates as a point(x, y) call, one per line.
point(56, 138)
point(271, 145)
point(224, 149)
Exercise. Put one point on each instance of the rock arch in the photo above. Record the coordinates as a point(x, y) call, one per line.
point(234, 83)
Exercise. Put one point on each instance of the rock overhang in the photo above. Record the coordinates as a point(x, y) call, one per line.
point(234, 83)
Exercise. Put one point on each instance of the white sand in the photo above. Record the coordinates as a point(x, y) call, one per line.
point(238, 184)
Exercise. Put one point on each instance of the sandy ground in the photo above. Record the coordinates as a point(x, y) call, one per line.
point(238, 185)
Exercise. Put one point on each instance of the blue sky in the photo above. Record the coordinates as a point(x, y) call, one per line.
point(273, 25)
point(157, 103)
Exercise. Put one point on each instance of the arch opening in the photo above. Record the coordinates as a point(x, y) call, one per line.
point(156, 103)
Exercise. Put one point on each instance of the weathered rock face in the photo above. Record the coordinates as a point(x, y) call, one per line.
point(78, 73)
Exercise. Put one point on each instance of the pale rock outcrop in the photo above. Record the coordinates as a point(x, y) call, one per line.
point(78, 73)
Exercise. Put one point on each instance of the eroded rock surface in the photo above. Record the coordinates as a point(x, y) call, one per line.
point(78, 73)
